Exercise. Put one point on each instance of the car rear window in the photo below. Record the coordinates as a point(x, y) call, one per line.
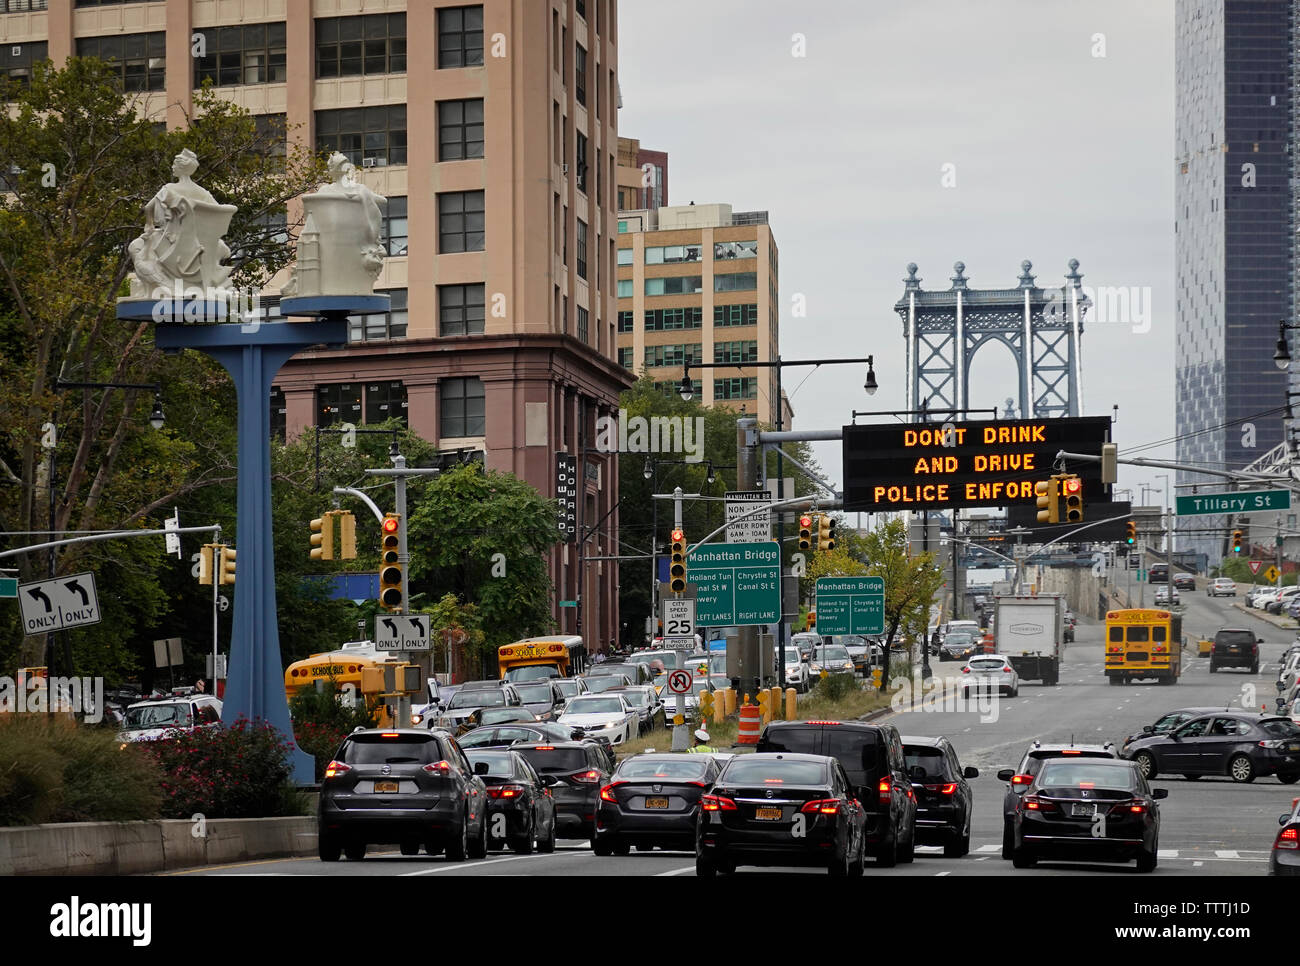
point(1036, 759)
point(478, 699)
point(856, 749)
point(637, 699)
point(768, 771)
point(1060, 772)
point(535, 693)
point(1234, 637)
point(377, 750)
point(555, 761)
point(931, 760)
point(986, 663)
point(498, 764)
point(1279, 728)
point(689, 768)
point(596, 685)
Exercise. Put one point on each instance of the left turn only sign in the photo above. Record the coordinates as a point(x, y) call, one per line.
point(58, 604)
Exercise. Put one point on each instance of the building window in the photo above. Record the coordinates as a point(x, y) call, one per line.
point(735, 388)
point(338, 403)
point(393, 229)
point(622, 228)
point(737, 282)
point(461, 403)
point(381, 325)
point(726, 315)
point(625, 256)
point(582, 248)
point(279, 412)
point(625, 321)
point(734, 249)
point(673, 355)
point(271, 134)
point(674, 285)
point(16, 60)
point(583, 317)
point(460, 309)
point(371, 44)
point(667, 254)
point(580, 162)
point(141, 58)
point(460, 129)
point(251, 54)
point(668, 389)
point(460, 221)
point(580, 75)
point(625, 357)
point(385, 400)
point(367, 136)
point(581, 7)
point(460, 37)
point(659, 320)
point(625, 288)
point(736, 351)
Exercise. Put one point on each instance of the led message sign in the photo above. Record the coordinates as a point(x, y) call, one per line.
point(939, 466)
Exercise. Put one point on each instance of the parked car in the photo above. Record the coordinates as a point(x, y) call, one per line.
point(1275, 604)
point(409, 787)
point(1185, 581)
point(1243, 745)
point(1019, 778)
point(1261, 596)
point(520, 809)
point(1285, 857)
point(575, 772)
point(944, 800)
point(872, 757)
point(1287, 675)
point(1235, 647)
point(751, 815)
point(990, 672)
point(651, 800)
point(1221, 587)
point(1056, 816)
point(170, 717)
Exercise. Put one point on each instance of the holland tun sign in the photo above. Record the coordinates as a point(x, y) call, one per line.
point(940, 466)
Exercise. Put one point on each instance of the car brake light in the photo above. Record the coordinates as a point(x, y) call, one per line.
point(544, 748)
point(438, 768)
point(336, 768)
point(773, 781)
point(607, 793)
point(714, 803)
point(885, 788)
point(1007, 669)
point(389, 734)
point(947, 789)
point(822, 806)
point(1087, 785)
point(1288, 838)
point(505, 791)
point(586, 777)
point(1036, 804)
point(822, 722)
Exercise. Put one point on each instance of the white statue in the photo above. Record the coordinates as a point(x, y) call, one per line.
point(339, 252)
point(181, 249)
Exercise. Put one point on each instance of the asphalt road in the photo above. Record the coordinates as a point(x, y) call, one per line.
point(1208, 827)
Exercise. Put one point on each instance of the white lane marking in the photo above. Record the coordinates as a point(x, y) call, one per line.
point(983, 858)
point(1167, 854)
point(479, 863)
point(1196, 865)
point(682, 871)
point(1227, 854)
point(989, 848)
point(938, 874)
point(928, 849)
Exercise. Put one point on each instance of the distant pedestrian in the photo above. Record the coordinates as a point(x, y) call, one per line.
point(600, 656)
point(200, 685)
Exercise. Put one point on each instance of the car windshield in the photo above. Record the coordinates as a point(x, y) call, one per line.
point(1066, 773)
point(568, 687)
point(1279, 728)
point(498, 763)
point(159, 716)
point(931, 761)
point(668, 659)
point(374, 749)
point(792, 655)
point(533, 672)
point(585, 705)
point(535, 693)
point(958, 640)
point(832, 652)
point(555, 761)
point(478, 699)
point(689, 768)
point(494, 716)
point(766, 771)
point(596, 685)
point(637, 699)
point(986, 664)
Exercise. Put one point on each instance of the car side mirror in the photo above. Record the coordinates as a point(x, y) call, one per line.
point(1159, 793)
point(1148, 729)
point(482, 767)
point(1283, 819)
point(1259, 640)
point(969, 772)
point(1006, 774)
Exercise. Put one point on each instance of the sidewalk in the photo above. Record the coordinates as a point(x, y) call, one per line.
point(1281, 620)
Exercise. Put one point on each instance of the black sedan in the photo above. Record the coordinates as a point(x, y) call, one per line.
point(652, 800)
point(1243, 745)
point(783, 810)
point(958, 647)
point(943, 796)
point(520, 809)
point(1088, 810)
point(1285, 859)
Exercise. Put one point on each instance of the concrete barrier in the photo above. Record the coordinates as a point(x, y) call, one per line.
point(130, 848)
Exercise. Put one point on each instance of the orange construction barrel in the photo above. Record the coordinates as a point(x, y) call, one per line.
point(749, 725)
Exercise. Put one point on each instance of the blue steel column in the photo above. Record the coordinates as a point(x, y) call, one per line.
point(253, 354)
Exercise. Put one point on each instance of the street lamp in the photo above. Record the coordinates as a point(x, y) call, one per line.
point(156, 417)
point(1282, 356)
point(871, 386)
point(687, 388)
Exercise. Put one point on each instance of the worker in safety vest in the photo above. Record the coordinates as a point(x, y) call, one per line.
point(702, 746)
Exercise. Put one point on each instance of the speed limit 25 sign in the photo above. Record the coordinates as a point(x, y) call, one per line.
point(678, 617)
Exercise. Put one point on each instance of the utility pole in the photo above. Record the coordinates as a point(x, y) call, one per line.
point(747, 479)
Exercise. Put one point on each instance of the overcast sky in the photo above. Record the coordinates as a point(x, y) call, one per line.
point(1058, 154)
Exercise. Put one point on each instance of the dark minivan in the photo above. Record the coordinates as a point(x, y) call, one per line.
point(872, 757)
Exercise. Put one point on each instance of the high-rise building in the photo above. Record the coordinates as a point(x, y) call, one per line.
point(1235, 246)
point(698, 283)
point(641, 175)
point(499, 227)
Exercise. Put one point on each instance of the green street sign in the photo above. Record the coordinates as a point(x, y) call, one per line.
point(8, 586)
point(851, 605)
point(1245, 502)
point(736, 583)
point(568, 603)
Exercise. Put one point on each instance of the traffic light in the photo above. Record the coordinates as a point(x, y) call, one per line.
point(1236, 541)
point(347, 534)
point(1132, 536)
point(206, 555)
point(677, 569)
point(226, 567)
point(1072, 486)
point(322, 537)
point(830, 535)
point(812, 619)
point(805, 532)
point(1049, 509)
point(390, 566)
point(823, 531)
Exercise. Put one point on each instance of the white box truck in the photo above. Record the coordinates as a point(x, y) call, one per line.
point(1030, 631)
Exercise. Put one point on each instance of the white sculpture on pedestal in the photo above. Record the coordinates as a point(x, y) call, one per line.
point(339, 252)
point(179, 255)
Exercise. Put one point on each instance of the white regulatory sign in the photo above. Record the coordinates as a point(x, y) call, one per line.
point(53, 605)
point(402, 632)
point(678, 616)
point(750, 529)
point(679, 643)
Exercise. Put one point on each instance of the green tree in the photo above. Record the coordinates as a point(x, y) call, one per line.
point(458, 626)
point(910, 582)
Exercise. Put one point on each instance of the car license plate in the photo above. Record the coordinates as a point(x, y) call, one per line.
point(768, 814)
point(656, 803)
point(383, 788)
point(1234, 650)
point(1293, 747)
point(1083, 810)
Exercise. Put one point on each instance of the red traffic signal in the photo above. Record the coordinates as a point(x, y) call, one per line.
point(390, 525)
point(805, 522)
point(1073, 485)
point(678, 536)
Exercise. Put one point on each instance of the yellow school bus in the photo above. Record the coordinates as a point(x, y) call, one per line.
point(539, 658)
point(1143, 644)
point(347, 668)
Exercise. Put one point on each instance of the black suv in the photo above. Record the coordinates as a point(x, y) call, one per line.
point(1030, 765)
point(943, 796)
point(575, 772)
point(1235, 647)
point(872, 756)
point(410, 787)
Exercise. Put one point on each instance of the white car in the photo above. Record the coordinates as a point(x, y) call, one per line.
point(150, 720)
point(990, 672)
point(1261, 598)
point(1222, 586)
point(798, 674)
point(833, 658)
point(1167, 596)
point(602, 716)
